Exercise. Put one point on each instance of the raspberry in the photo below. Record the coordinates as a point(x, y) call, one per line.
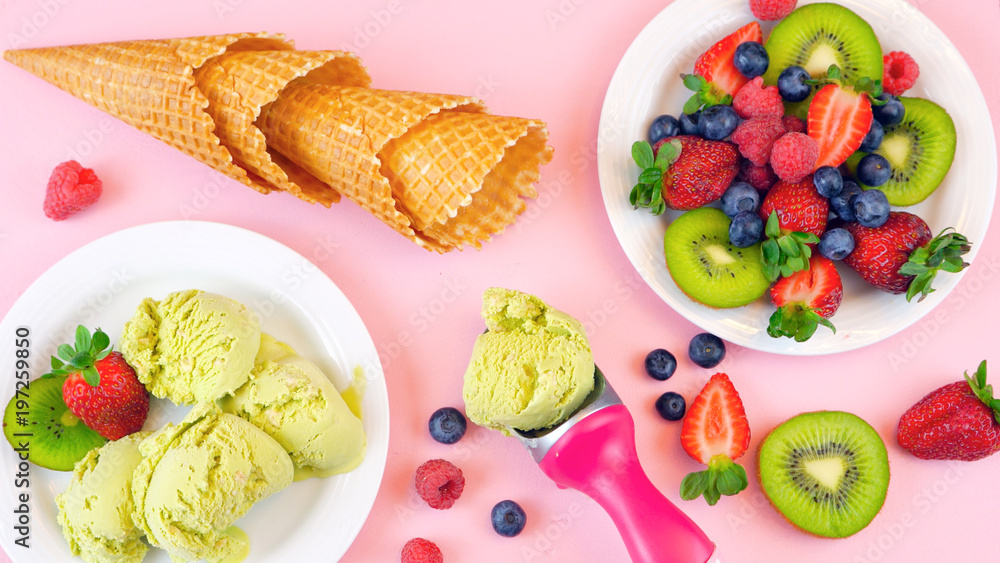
point(419, 550)
point(793, 124)
point(756, 100)
point(901, 71)
point(771, 10)
point(71, 188)
point(793, 156)
point(756, 136)
point(439, 483)
point(760, 177)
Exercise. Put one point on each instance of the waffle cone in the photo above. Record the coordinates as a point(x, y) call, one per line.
point(150, 85)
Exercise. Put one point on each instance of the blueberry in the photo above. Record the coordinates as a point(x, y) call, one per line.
point(836, 243)
point(828, 181)
point(871, 208)
point(508, 518)
point(889, 113)
point(662, 127)
point(745, 229)
point(447, 425)
point(843, 203)
point(873, 170)
point(717, 122)
point(792, 84)
point(739, 196)
point(671, 406)
point(874, 137)
point(660, 364)
point(689, 123)
point(706, 350)
point(751, 59)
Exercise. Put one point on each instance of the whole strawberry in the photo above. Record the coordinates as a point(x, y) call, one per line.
point(901, 256)
point(795, 216)
point(959, 421)
point(683, 172)
point(101, 388)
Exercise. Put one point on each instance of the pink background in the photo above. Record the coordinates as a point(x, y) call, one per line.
point(552, 60)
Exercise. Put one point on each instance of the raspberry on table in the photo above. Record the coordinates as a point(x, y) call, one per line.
point(756, 100)
point(793, 124)
point(760, 177)
point(71, 188)
point(756, 136)
point(793, 156)
point(901, 72)
point(771, 10)
point(439, 483)
point(419, 550)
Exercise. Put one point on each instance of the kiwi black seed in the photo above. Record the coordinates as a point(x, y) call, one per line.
point(920, 150)
point(826, 472)
point(37, 420)
point(706, 266)
point(815, 36)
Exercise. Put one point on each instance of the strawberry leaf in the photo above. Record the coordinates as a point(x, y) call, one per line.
point(66, 352)
point(943, 252)
point(91, 376)
point(82, 339)
point(100, 340)
point(642, 154)
point(694, 484)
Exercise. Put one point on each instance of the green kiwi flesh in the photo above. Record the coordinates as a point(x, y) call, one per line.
point(920, 150)
point(706, 266)
point(825, 472)
point(815, 36)
point(37, 420)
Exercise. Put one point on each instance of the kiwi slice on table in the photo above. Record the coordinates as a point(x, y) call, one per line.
point(706, 266)
point(826, 472)
point(37, 420)
point(815, 36)
point(920, 150)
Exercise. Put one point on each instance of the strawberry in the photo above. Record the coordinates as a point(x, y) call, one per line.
point(795, 216)
point(805, 300)
point(959, 421)
point(715, 432)
point(839, 118)
point(716, 65)
point(101, 388)
point(901, 256)
point(686, 172)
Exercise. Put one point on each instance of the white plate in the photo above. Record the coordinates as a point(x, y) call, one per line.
point(102, 283)
point(646, 84)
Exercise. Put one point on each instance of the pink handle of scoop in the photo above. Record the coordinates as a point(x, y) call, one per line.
point(597, 457)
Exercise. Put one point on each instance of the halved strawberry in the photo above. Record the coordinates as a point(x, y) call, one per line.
point(715, 432)
point(717, 68)
point(839, 118)
point(805, 300)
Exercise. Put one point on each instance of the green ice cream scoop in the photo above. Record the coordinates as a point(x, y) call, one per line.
point(95, 510)
point(531, 368)
point(191, 347)
point(198, 477)
point(293, 401)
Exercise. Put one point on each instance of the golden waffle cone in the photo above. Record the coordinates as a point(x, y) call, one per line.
point(239, 84)
point(150, 85)
point(336, 133)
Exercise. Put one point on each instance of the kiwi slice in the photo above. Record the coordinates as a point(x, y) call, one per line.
point(706, 266)
point(826, 472)
point(815, 36)
point(920, 150)
point(37, 420)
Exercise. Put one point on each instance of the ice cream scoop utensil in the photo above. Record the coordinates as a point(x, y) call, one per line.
point(593, 451)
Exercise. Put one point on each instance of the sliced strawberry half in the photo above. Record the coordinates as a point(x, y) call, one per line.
point(805, 300)
point(716, 64)
point(839, 118)
point(715, 432)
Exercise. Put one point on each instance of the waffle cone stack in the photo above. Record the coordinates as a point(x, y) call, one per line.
point(437, 168)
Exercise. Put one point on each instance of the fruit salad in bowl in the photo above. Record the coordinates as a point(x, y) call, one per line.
point(808, 183)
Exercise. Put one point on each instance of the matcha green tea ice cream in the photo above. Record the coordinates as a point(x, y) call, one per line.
point(192, 346)
point(293, 401)
point(95, 510)
point(200, 476)
point(532, 367)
